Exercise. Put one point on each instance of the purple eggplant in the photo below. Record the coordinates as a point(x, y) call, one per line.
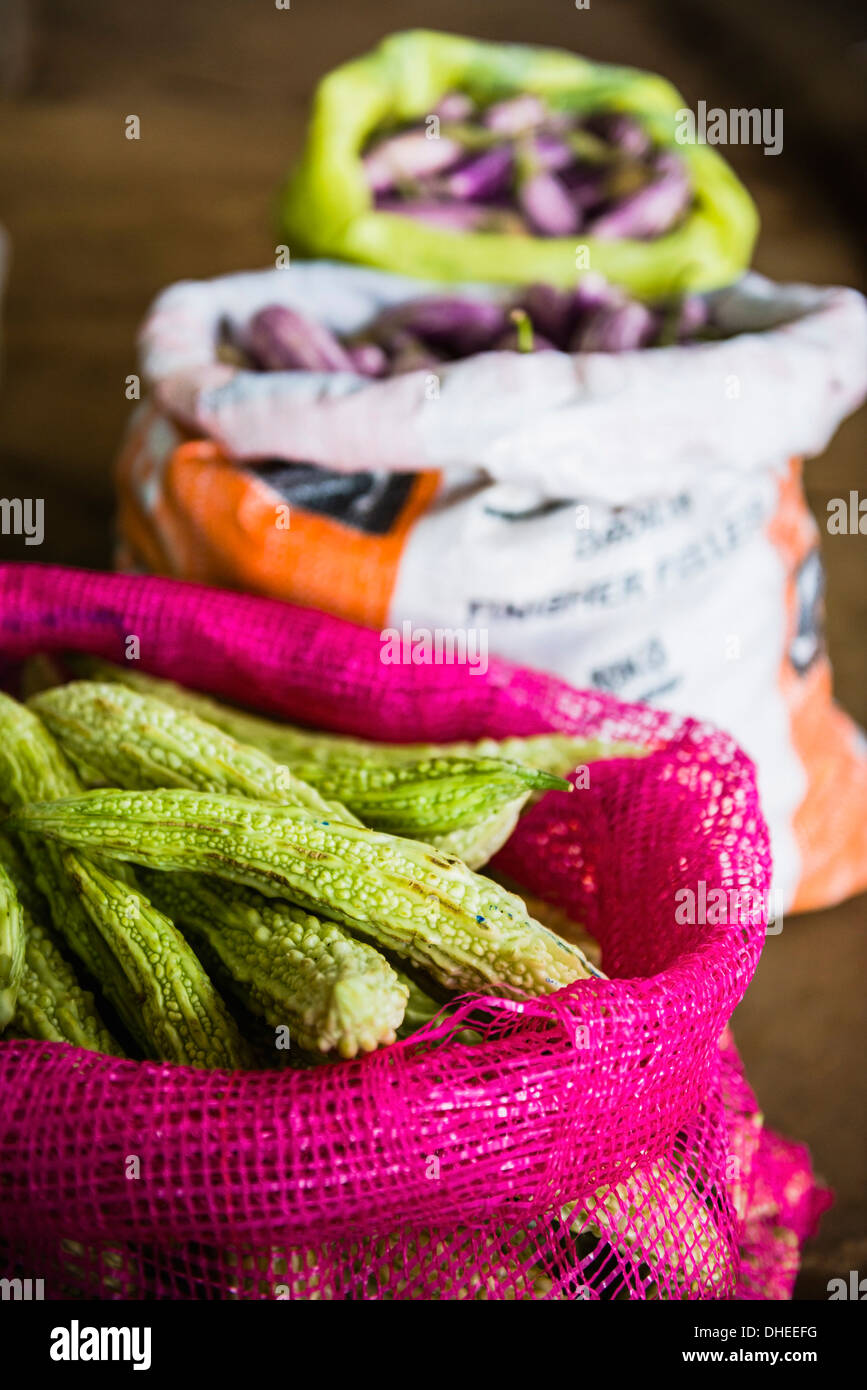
point(368, 359)
point(483, 176)
point(551, 310)
point(692, 318)
point(652, 211)
point(455, 106)
point(407, 157)
point(510, 342)
point(522, 337)
point(682, 321)
point(585, 185)
point(448, 216)
point(621, 130)
point(516, 114)
point(283, 340)
point(547, 205)
point(457, 216)
point(410, 354)
point(551, 152)
point(447, 323)
point(619, 328)
point(594, 292)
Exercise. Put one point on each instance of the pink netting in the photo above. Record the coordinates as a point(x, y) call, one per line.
point(432, 1169)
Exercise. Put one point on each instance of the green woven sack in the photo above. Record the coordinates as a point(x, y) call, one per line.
point(327, 207)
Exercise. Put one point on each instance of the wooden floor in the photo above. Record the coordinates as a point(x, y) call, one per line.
point(100, 224)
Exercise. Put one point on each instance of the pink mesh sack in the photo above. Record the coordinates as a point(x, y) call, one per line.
point(599, 1143)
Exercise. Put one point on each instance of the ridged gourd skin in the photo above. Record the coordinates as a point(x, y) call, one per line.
point(11, 947)
point(429, 795)
point(293, 969)
point(99, 914)
point(549, 752)
point(117, 735)
point(477, 844)
point(467, 932)
point(181, 1016)
point(32, 768)
point(51, 1004)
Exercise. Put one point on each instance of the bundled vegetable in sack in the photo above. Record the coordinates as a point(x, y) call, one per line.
point(453, 158)
point(633, 519)
point(596, 1142)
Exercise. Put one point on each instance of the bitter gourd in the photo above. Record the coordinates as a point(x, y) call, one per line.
point(426, 796)
point(477, 844)
point(11, 947)
point(464, 930)
point(32, 768)
point(555, 753)
point(51, 1003)
point(182, 1017)
point(332, 992)
point(147, 970)
point(12, 860)
point(116, 735)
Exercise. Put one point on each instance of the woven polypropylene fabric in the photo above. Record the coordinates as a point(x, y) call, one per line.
point(598, 1143)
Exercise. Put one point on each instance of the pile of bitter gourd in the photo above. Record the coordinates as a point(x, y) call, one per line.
point(326, 886)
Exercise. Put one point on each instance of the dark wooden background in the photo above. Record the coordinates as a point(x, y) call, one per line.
point(99, 224)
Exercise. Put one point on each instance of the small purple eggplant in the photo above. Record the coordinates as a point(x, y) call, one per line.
point(585, 184)
point(623, 328)
point(516, 114)
point(652, 211)
point(693, 317)
point(682, 321)
point(522, 337)
point(455, 106)
point(448, 216)
point(368, 359)
point(548, 206)
point(410, 354)
point(283, 340)
point(551, 310)
point(551, 152)
point(447, 323)
point(619, 129)
point(407, 157)
point(510, 342)
point(483, 176)
point(594, 292)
